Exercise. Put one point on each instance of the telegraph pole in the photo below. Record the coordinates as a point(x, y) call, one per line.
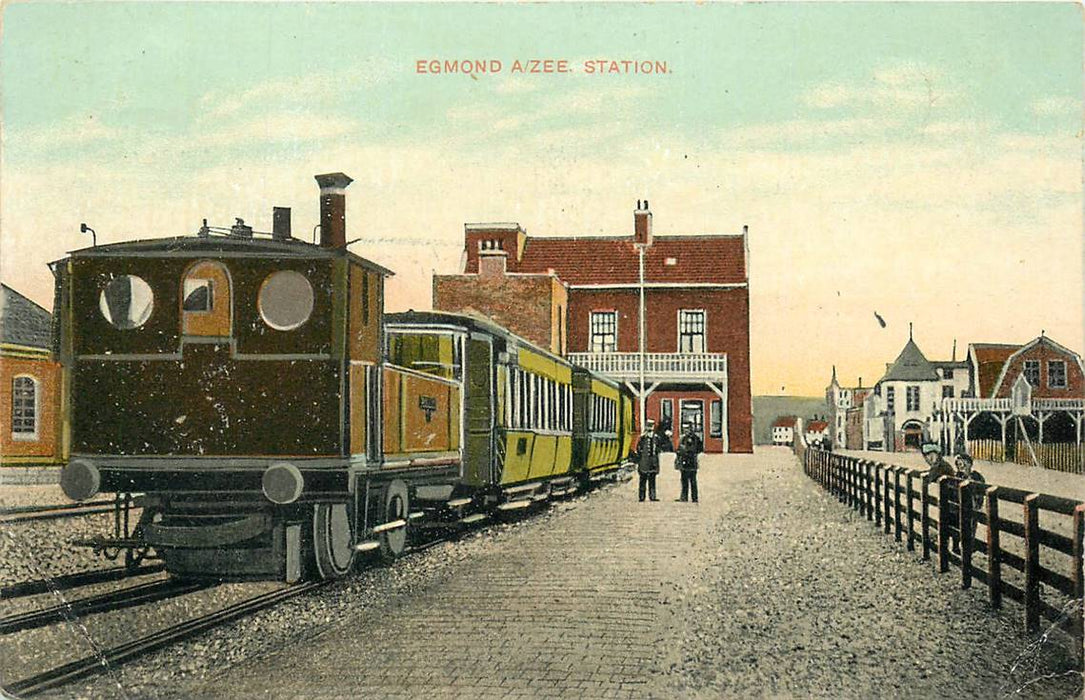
point(640, 363)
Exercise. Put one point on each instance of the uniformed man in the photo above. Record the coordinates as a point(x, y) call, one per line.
point(686, 461)
point(647, 458)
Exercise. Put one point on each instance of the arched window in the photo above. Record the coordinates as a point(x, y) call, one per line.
point(205, 300)
point(24, 408)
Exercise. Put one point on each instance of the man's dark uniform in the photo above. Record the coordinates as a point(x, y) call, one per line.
point(686, 462)
point(949, 511)
point(647, 458)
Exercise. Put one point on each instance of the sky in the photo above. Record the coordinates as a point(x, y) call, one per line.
point(922, 161)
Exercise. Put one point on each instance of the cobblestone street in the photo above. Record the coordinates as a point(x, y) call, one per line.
point(767, 587)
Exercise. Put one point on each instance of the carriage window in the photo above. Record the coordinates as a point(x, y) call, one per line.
point(198, 296)
point(286, 300)
point(126, 302)
point(24, 408)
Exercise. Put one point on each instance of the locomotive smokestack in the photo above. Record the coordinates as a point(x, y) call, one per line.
point(333, 209)
point(280, 223)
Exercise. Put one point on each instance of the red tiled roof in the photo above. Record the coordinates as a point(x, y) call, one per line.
point(713, 259)
point(990, 357)
point(816, 426)
point(785, 422)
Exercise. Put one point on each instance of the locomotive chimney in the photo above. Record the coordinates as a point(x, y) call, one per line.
point(333, 209)
point(280, 223)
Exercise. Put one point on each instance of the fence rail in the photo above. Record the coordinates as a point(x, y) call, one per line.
point(888, 496)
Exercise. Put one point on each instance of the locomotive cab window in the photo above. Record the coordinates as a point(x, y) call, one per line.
point(126, 302)
point(198, 295)
point(286, 300)
point(205, 300)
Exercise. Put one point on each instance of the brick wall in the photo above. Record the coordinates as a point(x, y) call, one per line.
point(525, 304)
point(1042, 352)
point(47, 374)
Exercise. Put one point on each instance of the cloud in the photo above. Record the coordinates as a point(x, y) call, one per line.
point(79, 130)
point(907, 86)
point(1056, 107)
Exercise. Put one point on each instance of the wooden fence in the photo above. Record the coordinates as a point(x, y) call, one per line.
point(900, 501)
point(1057, 456)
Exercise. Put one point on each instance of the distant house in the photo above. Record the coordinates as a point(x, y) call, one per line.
point(854, 419)
point(906, 400)
point(817, 432)
point(783, 430)
point(1024, 404)
point(28, 382)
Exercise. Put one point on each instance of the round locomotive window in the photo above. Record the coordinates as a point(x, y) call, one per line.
point(126, 302)
point(286, 300)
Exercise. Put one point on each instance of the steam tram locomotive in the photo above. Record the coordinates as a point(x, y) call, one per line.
point(276, 423)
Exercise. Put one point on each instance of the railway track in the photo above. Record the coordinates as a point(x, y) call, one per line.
point(52, 512)
point(108, 658)
point(98, 663)
point(140, 594)
point(85, 578)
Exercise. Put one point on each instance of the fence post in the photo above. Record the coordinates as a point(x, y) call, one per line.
point(994, 549)
point(943, 525)
point(925, 516)
point(853, 502)
point(1032, 563)
point(896, 504)
point(885, 500)
point(868, 491)
point(1079, 580)
point(964, 534)
point(875, 494)
point(910, 494)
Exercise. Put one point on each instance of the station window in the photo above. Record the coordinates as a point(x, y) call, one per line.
point(691, 330)
point(715, 423)
point(24, 408)
point(604, 331)
point(890, 398)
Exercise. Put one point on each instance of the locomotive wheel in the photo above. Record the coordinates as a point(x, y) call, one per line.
point(396, 507)
point(333, 540)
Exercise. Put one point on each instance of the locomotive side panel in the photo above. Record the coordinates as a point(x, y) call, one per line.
point(205, 404)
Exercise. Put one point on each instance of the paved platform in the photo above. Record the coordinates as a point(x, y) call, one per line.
point(767, 587)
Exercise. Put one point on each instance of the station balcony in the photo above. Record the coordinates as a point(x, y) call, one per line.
point(1005, 405)
point(658, 366)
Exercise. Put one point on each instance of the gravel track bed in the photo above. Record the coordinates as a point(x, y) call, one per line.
point(32, 651)
point(189, 669)
point(826, 605)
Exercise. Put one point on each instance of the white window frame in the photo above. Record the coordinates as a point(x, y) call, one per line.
point(1025, 372)
point(23, 435)
point(703, 334)
point(592, 334)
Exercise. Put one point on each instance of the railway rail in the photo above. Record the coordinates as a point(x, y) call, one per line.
point(20, 514)
point(140, 594)
point(69, 581)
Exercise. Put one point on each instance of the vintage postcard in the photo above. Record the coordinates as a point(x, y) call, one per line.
point(585, 350)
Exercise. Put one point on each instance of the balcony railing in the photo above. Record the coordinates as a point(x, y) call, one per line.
point(658, 366)
point(1006, 405)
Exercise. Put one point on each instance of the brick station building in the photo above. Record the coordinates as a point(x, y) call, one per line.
point(581, 296)
point(29, 399)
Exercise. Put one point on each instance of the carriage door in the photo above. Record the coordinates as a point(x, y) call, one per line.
point(692, 411)
point(478, 410)
point(205, 302)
